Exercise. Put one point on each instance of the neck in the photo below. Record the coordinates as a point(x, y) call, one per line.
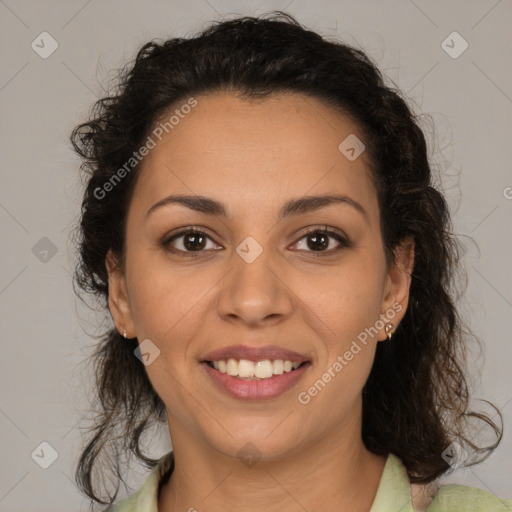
point(331, 475)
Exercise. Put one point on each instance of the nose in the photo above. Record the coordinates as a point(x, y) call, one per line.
point(254, 294)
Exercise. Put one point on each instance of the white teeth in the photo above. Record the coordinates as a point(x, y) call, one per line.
point(232, 367)
point(263, 369)
point(245, 368)
point(249, 370)
point(277, 367)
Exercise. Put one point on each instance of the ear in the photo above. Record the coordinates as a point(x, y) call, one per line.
point(118, 302)
point(398, 283)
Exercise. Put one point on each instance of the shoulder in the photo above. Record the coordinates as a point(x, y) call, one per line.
point(454, 498)
point(146, 498)
point(127, 505)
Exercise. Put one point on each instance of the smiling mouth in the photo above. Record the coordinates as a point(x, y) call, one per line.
point(244, 369)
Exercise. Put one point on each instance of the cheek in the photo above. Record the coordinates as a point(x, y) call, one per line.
point(167, 307)
point(164, 301)
point(345, 301)
point(346, 308)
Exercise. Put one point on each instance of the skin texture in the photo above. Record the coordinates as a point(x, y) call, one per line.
point(253, 156)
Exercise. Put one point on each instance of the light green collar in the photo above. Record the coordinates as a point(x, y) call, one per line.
point(394, 491)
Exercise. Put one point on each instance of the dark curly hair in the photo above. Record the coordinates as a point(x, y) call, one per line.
point(416, 399)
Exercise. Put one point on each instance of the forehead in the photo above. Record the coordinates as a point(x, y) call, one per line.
point(253, 152)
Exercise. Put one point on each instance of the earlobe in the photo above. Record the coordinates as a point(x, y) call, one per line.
point(118, 302)
point(399, 283)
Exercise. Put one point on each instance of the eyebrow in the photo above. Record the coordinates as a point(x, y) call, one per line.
point(294, 206)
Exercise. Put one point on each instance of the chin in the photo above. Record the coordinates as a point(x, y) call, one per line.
point(256, 444)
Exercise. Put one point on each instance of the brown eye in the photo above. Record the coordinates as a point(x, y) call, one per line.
point(189, 241)
point(322, 241)
point(194, 241)
point(318, 241)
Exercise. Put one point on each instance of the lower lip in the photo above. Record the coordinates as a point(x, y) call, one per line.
point(256, 389)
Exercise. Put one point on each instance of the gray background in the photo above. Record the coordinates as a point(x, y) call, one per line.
point(46, 332)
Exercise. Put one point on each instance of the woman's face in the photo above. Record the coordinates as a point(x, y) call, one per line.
point(254, 277)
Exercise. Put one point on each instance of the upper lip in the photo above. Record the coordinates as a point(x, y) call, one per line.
point(254, 354)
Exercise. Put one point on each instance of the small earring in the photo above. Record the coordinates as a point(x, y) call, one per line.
point(124, 334)
point(389, 330)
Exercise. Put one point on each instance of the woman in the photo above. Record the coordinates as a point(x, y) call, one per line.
point(260, 220)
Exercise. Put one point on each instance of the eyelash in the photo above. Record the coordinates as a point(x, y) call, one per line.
point(344, 242)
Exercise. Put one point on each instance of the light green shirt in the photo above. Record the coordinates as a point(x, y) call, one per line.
point(393, 493)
